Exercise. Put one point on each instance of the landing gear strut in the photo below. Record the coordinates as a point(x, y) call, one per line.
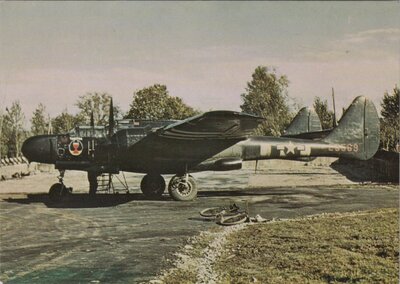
point(59, 191)
point(152, 185)
point(93, 184)
point(182, 187)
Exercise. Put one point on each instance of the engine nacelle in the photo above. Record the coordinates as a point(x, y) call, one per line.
point(227, 164)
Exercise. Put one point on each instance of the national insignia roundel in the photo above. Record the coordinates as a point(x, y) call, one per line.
point(75, 147)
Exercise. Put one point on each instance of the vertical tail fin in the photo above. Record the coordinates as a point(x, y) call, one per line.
point(358, 130)
point(305, 121)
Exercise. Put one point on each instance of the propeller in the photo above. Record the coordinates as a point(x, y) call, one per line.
point(110, 133)
point(111, 119)
point(91, 150)
point(334, 109)
point(92, 122)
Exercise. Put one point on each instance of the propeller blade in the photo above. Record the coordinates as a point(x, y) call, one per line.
point(334, 109)
point(111, 119)
point(91, 119)
point(92, 123)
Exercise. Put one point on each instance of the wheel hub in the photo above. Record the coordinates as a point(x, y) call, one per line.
point(184, 188)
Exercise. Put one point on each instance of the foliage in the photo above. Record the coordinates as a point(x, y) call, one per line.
point(39, 123)
point(326, 116)
point(363, 250)
point(155, 103)
point(99, 104)
point(13, 129)
point(266, 96)
point(64, 122)
point(390, 120)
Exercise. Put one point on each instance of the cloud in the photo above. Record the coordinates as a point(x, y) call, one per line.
point(373, 44)
point(383, 36)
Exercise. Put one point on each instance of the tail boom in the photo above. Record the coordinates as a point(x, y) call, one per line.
point(356, 137)
point(260, 148)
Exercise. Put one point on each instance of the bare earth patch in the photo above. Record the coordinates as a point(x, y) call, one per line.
point(360, 247)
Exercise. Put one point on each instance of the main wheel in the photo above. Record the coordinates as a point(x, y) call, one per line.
point(152, 185)
point(58, 192)
point(182, 189)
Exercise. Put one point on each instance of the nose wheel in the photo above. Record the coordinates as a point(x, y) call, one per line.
point(58, 191)
point(182, 188)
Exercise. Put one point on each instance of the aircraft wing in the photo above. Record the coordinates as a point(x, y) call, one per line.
point(213, 125)
point(186, 143)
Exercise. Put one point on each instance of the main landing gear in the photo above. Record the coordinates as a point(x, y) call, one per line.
point(93, 183)
point(152, 185)
point(180, 187)
point(59, 191)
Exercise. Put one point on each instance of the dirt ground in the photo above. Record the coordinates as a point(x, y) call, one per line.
point(128, 239)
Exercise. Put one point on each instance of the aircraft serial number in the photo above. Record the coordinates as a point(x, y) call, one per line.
point(345, 148)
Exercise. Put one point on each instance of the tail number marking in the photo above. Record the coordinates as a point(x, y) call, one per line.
point(344, 148)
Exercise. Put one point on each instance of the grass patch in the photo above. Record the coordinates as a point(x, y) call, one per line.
point(359, 248)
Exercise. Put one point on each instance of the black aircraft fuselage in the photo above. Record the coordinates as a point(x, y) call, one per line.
point(216, 141)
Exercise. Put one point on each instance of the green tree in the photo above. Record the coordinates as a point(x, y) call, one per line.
point(390, 120)
point(39, 124)
point(99, 104)
point(155, 103)
point(266, 95)
point(325, 115)
point(13, 129)
point(64, 122)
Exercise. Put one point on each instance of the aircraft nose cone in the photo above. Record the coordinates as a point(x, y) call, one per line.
point(39, 148)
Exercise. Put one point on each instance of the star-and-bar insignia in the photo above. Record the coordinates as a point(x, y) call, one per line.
point(290, 149)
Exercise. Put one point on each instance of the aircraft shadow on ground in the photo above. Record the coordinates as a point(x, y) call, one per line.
point(249, 192)
point(382, 168)
point(77, 200)
point(81, 200)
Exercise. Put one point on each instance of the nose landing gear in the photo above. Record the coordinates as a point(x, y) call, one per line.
point(58, 191)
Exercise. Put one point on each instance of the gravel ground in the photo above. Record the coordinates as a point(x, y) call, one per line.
point(128, 239)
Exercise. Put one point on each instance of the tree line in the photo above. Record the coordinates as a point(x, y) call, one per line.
point(265, 95)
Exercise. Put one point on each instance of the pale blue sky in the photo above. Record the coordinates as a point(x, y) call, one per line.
point(204, 52)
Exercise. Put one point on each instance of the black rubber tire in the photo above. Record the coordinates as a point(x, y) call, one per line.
point(233, 219)
point(58, 192)
point(152, 185)
point(214, 211)
point(179, 193)
point(211, 212)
